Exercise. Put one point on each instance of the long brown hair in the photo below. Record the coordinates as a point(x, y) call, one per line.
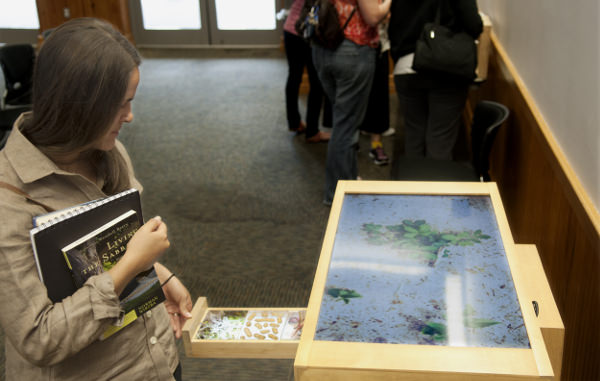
point(79, 83)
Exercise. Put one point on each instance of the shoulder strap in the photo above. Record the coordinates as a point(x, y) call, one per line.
point(28, 197)
point(349, 17)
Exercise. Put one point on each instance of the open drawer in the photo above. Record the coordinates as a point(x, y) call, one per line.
point(242, 332)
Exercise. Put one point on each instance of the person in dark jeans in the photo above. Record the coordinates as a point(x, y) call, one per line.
point(347, 76)
point(377, 118)
point(431, 103)
point(299, 56)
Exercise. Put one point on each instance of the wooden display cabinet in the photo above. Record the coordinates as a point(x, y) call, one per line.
point(421, 281)
point(416, 280)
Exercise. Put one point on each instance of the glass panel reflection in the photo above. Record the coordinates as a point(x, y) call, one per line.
point(420, 270)
point(245, 15)
point(171, 14)
point(18, 14)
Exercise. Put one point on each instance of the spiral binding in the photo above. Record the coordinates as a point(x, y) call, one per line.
point(79, 210)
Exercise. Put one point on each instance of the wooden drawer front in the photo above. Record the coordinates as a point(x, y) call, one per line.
point(242, 332)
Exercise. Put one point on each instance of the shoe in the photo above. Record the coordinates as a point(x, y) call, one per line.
point(378, 156)
point(389, 132)
point(319, 137)
point(300, 129)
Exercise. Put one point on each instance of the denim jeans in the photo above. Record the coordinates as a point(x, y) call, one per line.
point(346, 75)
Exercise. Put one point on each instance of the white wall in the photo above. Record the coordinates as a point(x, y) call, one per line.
point(555, 48)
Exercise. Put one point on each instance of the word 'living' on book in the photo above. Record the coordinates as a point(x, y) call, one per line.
point(99, 251)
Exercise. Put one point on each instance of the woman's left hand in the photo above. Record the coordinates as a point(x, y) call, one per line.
point(178, 303)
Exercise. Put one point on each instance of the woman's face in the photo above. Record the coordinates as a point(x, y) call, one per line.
point(125, 115)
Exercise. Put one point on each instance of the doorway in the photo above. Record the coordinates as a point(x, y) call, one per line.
point(189, 23)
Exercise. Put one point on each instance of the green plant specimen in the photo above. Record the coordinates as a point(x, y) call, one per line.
point(418, 235)
point(343, 294)
point(437, 331)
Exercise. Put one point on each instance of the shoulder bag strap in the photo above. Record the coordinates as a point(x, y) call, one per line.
point(349, 17)
point(28, 197)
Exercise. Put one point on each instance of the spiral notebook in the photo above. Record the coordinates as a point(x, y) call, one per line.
point(58, 229)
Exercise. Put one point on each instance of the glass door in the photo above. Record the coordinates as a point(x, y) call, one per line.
point(169, 22)
point(244, 22)
point(205, 22)
point(18, 22)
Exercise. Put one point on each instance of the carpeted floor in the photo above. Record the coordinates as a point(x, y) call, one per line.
point(240, 194)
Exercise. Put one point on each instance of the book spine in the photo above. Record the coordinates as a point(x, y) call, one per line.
point(83, 208)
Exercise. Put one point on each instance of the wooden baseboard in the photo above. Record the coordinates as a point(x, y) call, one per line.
point(547, 206)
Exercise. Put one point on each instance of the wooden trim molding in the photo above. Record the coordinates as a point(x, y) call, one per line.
point(546, 205)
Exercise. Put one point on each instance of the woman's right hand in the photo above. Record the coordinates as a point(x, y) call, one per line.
point(143, 249)
point(147, 244)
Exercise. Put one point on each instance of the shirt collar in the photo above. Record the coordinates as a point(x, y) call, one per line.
point(21, 153)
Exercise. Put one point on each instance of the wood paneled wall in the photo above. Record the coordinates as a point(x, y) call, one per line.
point(547, 206)
point(52, 13)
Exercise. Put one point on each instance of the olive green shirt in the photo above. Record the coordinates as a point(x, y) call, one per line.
point(59, 341)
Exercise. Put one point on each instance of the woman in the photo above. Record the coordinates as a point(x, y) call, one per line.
point(346, 75)
point(298, 54)
point(431, 103)
point(64, 153)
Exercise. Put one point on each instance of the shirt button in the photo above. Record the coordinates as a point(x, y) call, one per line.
point(153, 340)
point(149, 314)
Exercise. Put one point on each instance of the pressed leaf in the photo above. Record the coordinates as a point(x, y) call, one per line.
point(479, 323)
point(432, 328)
point(449, 237)
point(410, 229)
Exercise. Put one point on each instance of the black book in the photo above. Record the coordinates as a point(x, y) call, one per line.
point(65, 229)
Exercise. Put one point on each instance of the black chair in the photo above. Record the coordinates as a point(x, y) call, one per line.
point(7, 119)
point(17, 67)
point(487, 118)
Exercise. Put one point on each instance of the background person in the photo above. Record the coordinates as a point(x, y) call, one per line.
point(299, 56)
point(431, 103)
point(347, 75)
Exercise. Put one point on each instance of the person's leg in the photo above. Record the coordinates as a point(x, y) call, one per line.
point(315, 99)
point(293, 51)
point(327, 112)
point(177, 374)
point(414, 107)
point(377, 119)
point(353, 68)
point(445, 112)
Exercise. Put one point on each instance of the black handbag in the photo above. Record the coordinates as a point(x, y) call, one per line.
point(439, 49)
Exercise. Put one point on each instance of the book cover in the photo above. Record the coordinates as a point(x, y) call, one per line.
point(52, 234)
point(99, 251)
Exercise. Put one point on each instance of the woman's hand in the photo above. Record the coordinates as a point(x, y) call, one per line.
point(147, 244)
point(178, 301)
point(143, 249)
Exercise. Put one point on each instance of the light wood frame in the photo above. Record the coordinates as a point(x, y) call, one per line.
point(319, 360)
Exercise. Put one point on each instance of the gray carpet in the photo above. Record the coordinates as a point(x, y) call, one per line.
point(240, 194)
